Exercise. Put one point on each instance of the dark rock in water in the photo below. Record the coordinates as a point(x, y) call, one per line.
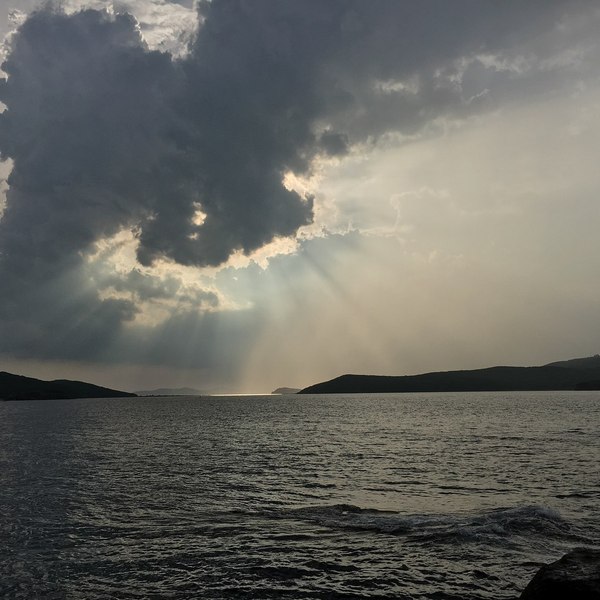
point(576, 576)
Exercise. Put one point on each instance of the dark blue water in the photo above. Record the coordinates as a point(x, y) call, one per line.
point(394, 496)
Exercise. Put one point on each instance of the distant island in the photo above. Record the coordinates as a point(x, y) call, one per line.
point(18, 387)
point(575, 374)
point(285, 390)
point(182, 391)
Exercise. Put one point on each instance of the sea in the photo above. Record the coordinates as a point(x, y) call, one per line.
point(408, 496)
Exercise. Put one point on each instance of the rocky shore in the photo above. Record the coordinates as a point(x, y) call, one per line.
point(576, 576)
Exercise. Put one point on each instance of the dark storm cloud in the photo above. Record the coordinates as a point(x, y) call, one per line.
point(190, 153)
point(82, 96)
point(106, 135)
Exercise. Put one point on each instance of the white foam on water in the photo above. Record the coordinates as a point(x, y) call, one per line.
point(500, 522)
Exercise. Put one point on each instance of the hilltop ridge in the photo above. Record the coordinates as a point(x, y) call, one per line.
point(588, 362)
point(574, 374)
point(19, 387)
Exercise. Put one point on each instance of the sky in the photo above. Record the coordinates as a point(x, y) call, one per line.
point(240, 195)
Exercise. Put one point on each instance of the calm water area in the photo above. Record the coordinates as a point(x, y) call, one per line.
point(441, 496)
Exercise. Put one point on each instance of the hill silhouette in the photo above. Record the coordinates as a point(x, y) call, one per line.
point(18, 387)
point(579, 373)
point(589, 362)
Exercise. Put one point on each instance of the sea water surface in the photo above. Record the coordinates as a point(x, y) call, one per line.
point(442, 496)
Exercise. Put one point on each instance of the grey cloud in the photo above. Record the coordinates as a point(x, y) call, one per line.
point(146, 287)
point(334, 144)
point(52, 311)
point(143, 287)
point(106, 135)
point(82, 94)
point(409, 64)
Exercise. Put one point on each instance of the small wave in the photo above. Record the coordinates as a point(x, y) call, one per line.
point(315, 484)
point(329, 567)
point(502, 522)
point(281, 572)
point(582, 494)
